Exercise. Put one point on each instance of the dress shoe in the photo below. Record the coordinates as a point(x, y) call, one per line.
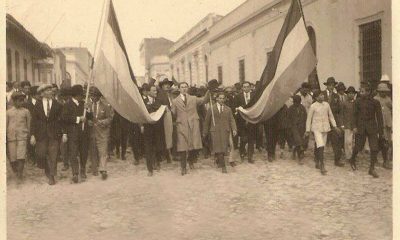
point(65, 168)
point(191, 165)
point(233, 164)
point(353, 164)
point(75, 179)
point(104, 175)
point(339, 163)
point(52, 181)
point(386, 165)
point(149, 174)
point(373, 173)
point(183, 171)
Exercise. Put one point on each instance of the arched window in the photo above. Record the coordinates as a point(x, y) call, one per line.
point(313, 77)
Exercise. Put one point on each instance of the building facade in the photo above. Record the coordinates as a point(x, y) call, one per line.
point(351, 38)
point(78, 63)
point(189, 55)
point(154, 57)
point(25, 54)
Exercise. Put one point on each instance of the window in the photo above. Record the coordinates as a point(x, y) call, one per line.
point(17, 70)
point(9, 65)
point(242, 75)
point(25, 70)
point(370, 52)
point(220, 76)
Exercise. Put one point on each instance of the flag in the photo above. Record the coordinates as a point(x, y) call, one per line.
point(291, 61)
point(112, 73)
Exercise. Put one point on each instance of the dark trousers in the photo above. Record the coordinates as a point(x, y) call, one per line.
point(137, 142)
point(188, 156)
point(78, 146)
point(121, 142)
point(31, 152)
point(220, 159)
point(271, 137)
point(337, 141)
point(46, 153)
point(64, 153)
point(248, 137)
point(285, 136)
point(360, 139)
point(384, 148)
point(259, 136)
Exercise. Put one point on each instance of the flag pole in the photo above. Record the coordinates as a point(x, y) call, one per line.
point(212, 109)
point(91, 66)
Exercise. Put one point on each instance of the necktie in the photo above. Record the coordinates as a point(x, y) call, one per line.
point(48, 108)
point(184, 99)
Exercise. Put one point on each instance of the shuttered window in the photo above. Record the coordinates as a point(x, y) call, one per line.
point(371, 52)
point(242, 74)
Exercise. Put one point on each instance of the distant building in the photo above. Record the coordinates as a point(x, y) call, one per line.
point(154, 57)
point(53, 69)
point(189, 55)
point(78, 61)
point(25, 55)
point(352, 39)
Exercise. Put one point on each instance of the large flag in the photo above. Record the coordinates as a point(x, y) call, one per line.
point(291, 61)
point(112, 73)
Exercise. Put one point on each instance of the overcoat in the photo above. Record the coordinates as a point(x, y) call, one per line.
point(220, 133)
point(187, 123)
point(297, 119)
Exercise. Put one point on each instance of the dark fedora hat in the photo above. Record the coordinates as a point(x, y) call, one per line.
point(340, 86)
point(330, 80)
point(76, 90)
point(165, 81)
point(213, 84)
point(351, 90)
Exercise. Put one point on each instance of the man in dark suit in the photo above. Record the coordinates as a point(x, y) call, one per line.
point(334, 137)
point(246, 130)
point(73, 118)
point(46, 130)
point(154, 140)
point(368, 123)
point(30, 102)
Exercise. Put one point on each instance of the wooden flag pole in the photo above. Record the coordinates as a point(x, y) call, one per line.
point(91, 67)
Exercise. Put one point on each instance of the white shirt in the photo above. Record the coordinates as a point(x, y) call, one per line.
point(97, 108)
point(33, 101)
point(183, 97)
point(247, 97)
point(77, 104)
point(44, 100)
point(220, 107)
point(151, 100)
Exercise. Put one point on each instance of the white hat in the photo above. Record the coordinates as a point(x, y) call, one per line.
point(385, 77)
point(43, 87)
point(383, 87)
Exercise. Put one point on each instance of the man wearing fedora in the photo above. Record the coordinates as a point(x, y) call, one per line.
point(77, 137)
point(335, 137)
point(164, 98)
point(386, 104)
point(349, 121)
point(100, 115)
point(46, 131)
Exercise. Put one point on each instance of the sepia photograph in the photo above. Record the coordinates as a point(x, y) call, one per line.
point(199, 120)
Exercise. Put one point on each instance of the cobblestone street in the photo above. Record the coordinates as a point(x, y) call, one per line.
point(279, 200)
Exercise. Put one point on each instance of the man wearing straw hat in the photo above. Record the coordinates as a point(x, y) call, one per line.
point(386, 104)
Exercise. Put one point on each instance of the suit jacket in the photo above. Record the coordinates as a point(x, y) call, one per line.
point(320, 118)
point(187, 122)
point(297, 118)
point(29, 105)
point(336, 106)
point(368, 116)
point(241, 123)
point(101, 121)
point(220, 133)
point(43, 127)
point(154, 137)
point(69, 117)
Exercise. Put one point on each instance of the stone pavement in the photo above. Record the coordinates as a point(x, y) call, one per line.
point(279, 200)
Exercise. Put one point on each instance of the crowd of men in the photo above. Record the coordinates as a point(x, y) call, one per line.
point(46, 125)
